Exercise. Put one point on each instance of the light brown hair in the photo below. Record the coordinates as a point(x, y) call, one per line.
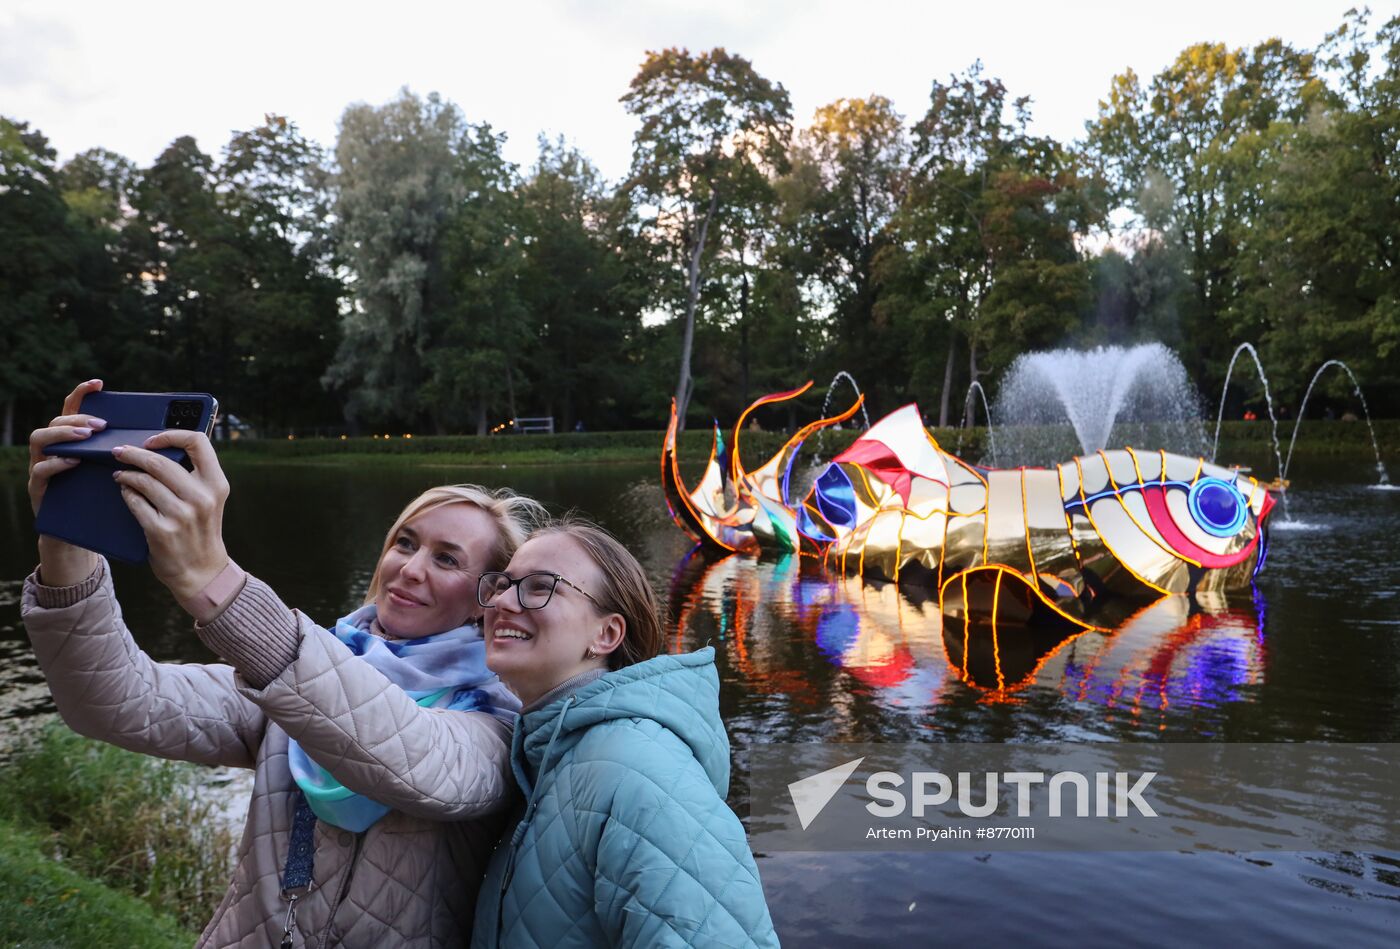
point(625, 588)
point(515, 516)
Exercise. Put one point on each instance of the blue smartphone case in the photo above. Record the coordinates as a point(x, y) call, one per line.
point(84, 506)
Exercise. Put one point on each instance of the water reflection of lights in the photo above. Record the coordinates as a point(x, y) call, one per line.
point(1163, 655)
point(781, 621)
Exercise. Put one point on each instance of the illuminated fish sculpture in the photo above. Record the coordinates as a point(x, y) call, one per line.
point(1000, 545)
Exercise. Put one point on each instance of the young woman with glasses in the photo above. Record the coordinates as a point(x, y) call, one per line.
point(379, 746)
point(624, 838)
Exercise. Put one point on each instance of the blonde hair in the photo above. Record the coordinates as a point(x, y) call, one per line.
point(515, 516)
point(625, 588)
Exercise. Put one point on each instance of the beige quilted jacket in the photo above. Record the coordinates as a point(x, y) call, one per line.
point(410, 880)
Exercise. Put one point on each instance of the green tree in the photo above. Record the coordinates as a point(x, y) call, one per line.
point(274, 185)
point(52, 266)
point(713, 132)
point(397, 184)
point(584, 286)
point(1184, 153)
point(474, 338)
point(849, 175)
point(1320, 265)
point(982, 250)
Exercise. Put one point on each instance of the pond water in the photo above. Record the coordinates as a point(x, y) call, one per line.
point(1312, 655)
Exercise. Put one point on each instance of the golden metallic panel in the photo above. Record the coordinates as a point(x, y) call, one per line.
point(1053, 553)
point(926, 496)
point(1129, 545)
point(1044, 508)
point(1149, 465)
point(1093, 475)
point(922, 539)
point(964, 545)
point(1136, 507)
point(968, 499)
point(1006, 516)
point(1179, 468)
point(1209, 470)
point(959, 472)
point(1069, 480)
point(880, 554)
point(1120, 465)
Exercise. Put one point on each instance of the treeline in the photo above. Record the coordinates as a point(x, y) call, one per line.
point(412, 279)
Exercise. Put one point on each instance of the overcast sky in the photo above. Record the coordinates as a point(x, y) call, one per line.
point(132, 77)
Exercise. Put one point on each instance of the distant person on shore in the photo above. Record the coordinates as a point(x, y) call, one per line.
point(379, 747)
point(625, 838)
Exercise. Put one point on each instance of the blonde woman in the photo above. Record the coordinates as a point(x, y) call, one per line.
point(379, 746)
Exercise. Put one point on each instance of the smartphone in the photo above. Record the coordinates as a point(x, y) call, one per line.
point(84, 506)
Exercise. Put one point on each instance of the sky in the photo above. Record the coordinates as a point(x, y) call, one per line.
point(133, 77)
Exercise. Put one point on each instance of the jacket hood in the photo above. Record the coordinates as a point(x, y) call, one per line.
point(679, 692)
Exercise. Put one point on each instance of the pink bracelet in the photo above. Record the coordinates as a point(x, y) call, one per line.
point(220, 592)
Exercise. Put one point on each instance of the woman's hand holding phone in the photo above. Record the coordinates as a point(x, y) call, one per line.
point(181, 512)
point(61, 564)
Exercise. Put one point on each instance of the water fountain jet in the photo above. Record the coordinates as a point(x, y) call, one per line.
point(1366, 411)
point(1052, 405)
point(1268, 400)
point(826, 406)
point(968, 418)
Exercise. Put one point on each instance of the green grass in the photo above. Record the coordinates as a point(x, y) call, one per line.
point(134, 823)
point(49, 904)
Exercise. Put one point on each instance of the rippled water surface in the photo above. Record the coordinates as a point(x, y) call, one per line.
point(1312, 655)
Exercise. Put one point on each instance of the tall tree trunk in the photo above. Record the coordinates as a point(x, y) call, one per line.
point(948, 378)
point(743, 329)
point(684, 384)
point(481, 416)
point(510, 389)
point(7, 438)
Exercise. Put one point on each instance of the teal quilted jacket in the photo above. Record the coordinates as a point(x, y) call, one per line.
point(625, 838)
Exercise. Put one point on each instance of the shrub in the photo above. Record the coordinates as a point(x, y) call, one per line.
point(133, 822)
point(47, 904)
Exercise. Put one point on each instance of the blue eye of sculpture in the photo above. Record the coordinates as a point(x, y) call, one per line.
point(835, 497)
point(1217, 507)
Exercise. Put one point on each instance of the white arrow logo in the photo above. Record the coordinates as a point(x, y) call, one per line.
point(812, 794)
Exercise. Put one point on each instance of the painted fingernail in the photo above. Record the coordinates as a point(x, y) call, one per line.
point(82, 431)
point(117, 451)
point(92, 382)
point(70, 462)
point(97, 424)
point(116, 475)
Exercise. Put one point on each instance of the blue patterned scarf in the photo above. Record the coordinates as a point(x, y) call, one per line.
point(445, 670)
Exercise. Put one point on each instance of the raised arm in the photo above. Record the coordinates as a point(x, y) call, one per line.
point(347, 716)
point(103, 684)
point(105, 687)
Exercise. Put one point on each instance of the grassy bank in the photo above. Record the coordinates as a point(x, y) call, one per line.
point(1315, 439)
point(128, 822)
point(49, 904)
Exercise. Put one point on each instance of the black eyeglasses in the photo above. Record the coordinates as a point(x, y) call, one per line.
point(532, 591)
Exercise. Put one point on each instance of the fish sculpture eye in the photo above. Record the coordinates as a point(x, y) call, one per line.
point(1217, 507)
